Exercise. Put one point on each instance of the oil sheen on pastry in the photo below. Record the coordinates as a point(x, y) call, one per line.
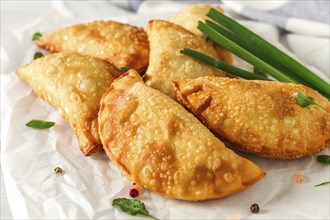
point(167, 63)
point(189, 17)
point(123, 45)
point(157, 144)
point(74, 84)
point(261, 117)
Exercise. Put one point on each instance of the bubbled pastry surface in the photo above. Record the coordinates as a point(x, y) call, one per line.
point(160, 146)
point(189, 17)
point(74, 84)
point(123, 45)
point(261, 117)
point(166, 63)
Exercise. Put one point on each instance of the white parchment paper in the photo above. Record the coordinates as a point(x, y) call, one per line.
point(88, 185)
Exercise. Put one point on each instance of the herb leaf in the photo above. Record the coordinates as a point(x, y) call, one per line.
point(37, 55)
point(305, 101)
point(36, 36)
point(323, 159)
point(321, 184)
point(132, 206)
point(302, 100)
point(40, 124)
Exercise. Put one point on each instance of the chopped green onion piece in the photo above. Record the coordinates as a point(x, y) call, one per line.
point(294, 67)
point(323, 159)
point(37, 55)
point(242, 53)
point(36, 36)
point(321, 184)
point(124, 69)
point(221, 65)
point(305, 101)
point(244, 43)
point(40, 124)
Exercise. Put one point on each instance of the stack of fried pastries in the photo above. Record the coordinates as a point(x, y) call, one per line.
point(146, 133)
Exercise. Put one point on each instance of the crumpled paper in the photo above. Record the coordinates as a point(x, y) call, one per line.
point(88, 185)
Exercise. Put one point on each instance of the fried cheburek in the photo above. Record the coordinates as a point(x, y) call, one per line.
point(157, 144)
point(123, 45)
point(189, 17)
point(166, 63)
point(261, 117)
point(74, 84)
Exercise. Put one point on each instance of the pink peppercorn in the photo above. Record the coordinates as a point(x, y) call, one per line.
point(135, 191)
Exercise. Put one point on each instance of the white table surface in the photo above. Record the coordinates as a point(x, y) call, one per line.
point(12, 14)
point(10, 17)
point(15, 14)
point(5, 210)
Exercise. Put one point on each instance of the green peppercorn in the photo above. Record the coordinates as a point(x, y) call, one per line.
point(323, 159)
point(37, 55)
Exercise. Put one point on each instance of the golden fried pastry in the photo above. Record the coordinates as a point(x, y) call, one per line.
point(74, 84)
point(123, 45)
point(262, 117)
point(189, 17)
point(166, 63)
point(157, 144)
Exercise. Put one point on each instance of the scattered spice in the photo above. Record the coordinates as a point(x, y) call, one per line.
point(58, 170)
point(298, 178)
point(254, 208)
point(135, 191)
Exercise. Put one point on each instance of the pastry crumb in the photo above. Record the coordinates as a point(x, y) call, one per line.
point(298, 178)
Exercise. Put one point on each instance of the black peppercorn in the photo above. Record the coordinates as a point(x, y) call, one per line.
point(254, 208)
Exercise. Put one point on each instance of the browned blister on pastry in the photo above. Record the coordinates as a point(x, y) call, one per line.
point(189, 18)
point(261, 117)
point(74, 84)
point(123, 45)
point(167, 63)
point(157, 144)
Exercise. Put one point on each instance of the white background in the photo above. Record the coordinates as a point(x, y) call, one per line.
point(276, 194)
